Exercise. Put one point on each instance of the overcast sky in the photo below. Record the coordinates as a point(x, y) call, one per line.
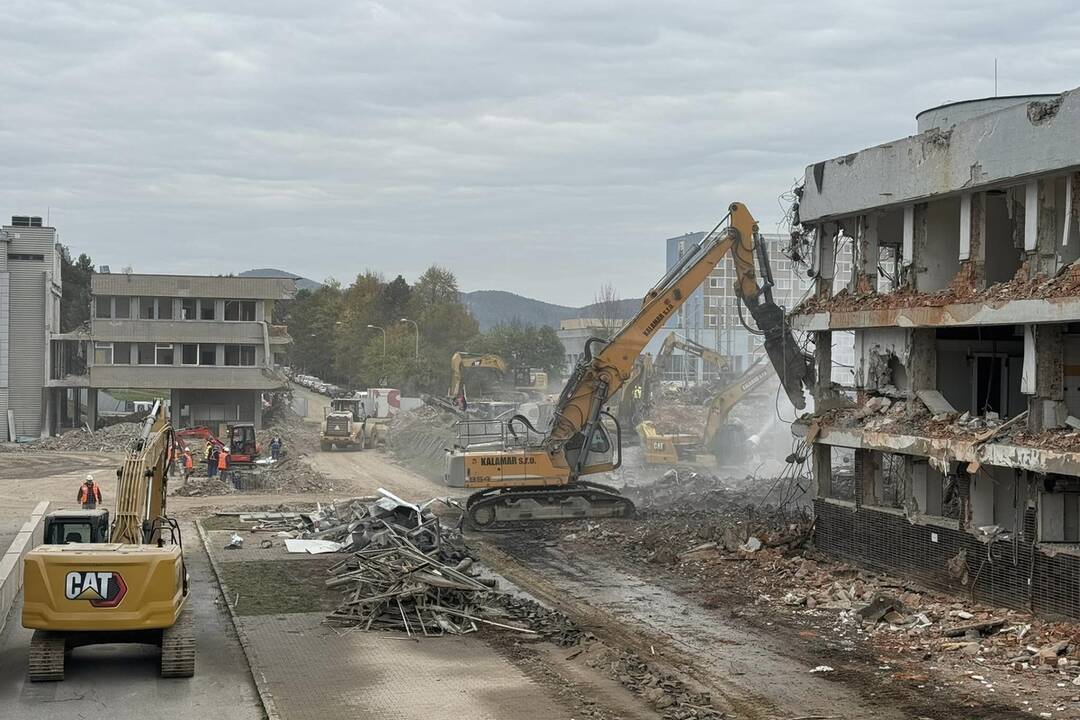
point(538, 147)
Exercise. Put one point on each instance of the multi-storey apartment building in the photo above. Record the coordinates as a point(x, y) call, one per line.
point(965, 308)
point(207, 341)
point(30, 292)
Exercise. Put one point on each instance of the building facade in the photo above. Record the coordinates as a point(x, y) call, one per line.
point(30, 291)
point(207, 341)
point(964, 303)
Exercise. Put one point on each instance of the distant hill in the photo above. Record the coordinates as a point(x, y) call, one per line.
point(302, 283)
point(491, 307)
point(497, 307)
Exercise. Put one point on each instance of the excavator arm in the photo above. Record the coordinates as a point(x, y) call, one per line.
point(142, 482)
point(460, 361)
point(599, 375)
point(722, 403)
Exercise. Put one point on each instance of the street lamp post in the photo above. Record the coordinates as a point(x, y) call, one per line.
point(417, 326)
point(382, 363)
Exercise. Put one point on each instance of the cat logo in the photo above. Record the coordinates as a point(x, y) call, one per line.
point(102, 589)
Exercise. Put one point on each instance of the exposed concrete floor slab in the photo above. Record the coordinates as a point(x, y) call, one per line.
point(379, 675)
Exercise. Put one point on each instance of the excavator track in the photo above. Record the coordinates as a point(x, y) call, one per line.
point(178, 646)
point(492, 509)
point(47, 651)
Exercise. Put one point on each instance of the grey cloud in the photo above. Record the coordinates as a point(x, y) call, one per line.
point(537, 147)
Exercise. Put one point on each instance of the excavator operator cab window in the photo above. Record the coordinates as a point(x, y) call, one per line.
point(601, 444)
point(62, 532)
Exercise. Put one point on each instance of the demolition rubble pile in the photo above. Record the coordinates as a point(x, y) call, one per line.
point(419, 438)
point(962, 290)
point(115, 438)
point(881, 413)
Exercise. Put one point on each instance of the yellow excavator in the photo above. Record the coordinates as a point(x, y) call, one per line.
point(92, 582)
point(521, 473)
point(527, 381)
point(674, 341)
point(720, 440)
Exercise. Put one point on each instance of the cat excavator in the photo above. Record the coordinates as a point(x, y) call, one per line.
point(521, 473)
point(92, 582)
point(674, 341)
point(720, 441)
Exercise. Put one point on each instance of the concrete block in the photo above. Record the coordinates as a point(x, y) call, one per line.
point(29, 537)
point(935, 402)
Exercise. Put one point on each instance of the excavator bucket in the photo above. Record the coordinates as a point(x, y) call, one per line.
point(795, 367)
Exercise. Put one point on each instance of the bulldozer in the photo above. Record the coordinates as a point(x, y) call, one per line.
point(95, 582)
point(344, 424)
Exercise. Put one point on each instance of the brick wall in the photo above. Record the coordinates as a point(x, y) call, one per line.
point(997, 573)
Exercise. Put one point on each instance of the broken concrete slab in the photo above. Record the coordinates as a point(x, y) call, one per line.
point(935, 402)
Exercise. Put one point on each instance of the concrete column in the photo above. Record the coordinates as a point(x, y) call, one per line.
point(917, 262)
point(907, 252)
point(822, 470)
point(1046, 230)
point(1044, 363)
point(91, 408)
point(867, 470)
point(922, 364)
point(867, 254)
point(826, 259)
point(973, 238)
point(823, 363)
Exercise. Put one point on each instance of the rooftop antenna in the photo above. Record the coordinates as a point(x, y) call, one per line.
point(995, 78)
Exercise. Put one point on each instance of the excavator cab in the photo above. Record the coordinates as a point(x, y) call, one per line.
point(76, 526)
point(242, 445)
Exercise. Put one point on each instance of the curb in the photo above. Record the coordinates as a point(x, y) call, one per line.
point(261, 684)
point(11, 565)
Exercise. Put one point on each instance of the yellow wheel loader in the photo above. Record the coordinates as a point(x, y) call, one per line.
point(93, 582)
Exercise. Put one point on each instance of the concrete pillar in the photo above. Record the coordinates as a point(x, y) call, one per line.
point(867, 470)
point(973, 224)
point(907, 247)
point(826, 259)
point(867, 254)
point(921, 364)
point(1043, 377)
point(822, 470)
point(1046, 230)
point(91, 408)
point(823, 363)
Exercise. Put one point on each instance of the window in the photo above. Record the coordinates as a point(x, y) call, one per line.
point(189, 354)
point(121, 353)
point(206, 309)
point(146, 309)
point(710, 321)
point(122, 308)
point(164, 354)
point(189, 309)
point(151, 308)
point(103, 306)
point(103, 353)
point(146, 353)
point(208, 354)
point(243, 310)
point(22, 256)
point(236, 355)
point(714, 282)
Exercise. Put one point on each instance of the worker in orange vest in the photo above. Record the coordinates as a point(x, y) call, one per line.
point(223, 461)
point(89, 493)
point(189, 465)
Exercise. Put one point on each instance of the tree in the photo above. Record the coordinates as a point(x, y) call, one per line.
point(436, 286)
point(525, 347)
point(312, 321)
point(606, 307)
point(75, 281)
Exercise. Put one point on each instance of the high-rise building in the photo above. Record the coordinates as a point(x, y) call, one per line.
point(714, 315)
point(29, 314)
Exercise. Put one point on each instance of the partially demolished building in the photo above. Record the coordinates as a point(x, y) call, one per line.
point(956, 460)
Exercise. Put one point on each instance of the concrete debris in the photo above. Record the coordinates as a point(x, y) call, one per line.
point(822, 669)
point(115, 438)
point(235, 542)
point(202, 487)
point(312, 547)
point(666, 693)
point(936, 402)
